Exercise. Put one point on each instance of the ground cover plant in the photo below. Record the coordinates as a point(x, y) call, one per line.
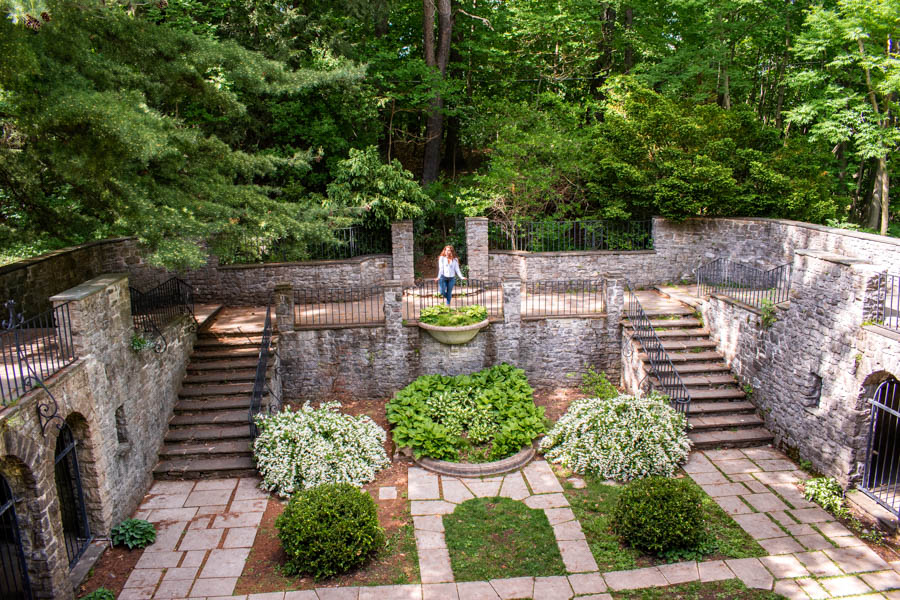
point(455, 316)
point(730, 589)
point(492, 538)
point(329, 530)
point(487, 415)
point(621, 438)
point(134, 533)
point(595, 504)
point(301, 449)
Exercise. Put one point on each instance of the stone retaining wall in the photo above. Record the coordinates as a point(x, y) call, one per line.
point(116, 455)
point(813, 370)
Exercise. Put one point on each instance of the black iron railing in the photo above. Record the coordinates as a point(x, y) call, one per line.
point(563, 298)
point(567, 236)
point(888, 307)
point(153, 309)
point(881, 478)
point(349, 242)
point(336, 306)
point(14, 581)
point(32, 350)
point(468, 292)
point(664, 377)
point(752, 286)
point(262, 365)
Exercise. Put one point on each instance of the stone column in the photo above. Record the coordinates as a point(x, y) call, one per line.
point(394, 373)
point(510, 333)
point(284, 307)
point(99, 311)
point(402, 250)
point(477, 247)
point(615, 312)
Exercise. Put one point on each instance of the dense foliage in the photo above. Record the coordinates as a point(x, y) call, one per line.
point(659, 514)
point(302, 449)
point(134, 533)
point(827, 493)
point(621, 438)
point(453, 316)
point(329, 530)
point(487, 415)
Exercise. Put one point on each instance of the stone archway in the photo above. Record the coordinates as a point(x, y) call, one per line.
point(881, 467)
point(863, 416)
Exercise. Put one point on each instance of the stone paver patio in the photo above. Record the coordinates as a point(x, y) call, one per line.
point(207, 528)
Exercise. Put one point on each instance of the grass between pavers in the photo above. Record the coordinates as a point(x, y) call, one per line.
point(492, 538)
point(594, 504)
point(716, 590)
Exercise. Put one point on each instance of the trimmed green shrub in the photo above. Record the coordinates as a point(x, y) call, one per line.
point(447, 316)
point(134, 533)
point(100, 593)
point(658, 515)
point(597, 385)
point(445, 417)
point(621, 438)
point(329, 530)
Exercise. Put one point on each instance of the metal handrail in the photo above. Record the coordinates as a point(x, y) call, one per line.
point(888, 306)
point(744, 283)
point(262, 365)
point(569, 236)
point(151, 310)
point(661, 367)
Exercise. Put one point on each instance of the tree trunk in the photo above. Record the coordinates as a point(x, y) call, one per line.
point(878, 201)
point(629, 50)
point(435, 57)
point(382, 17)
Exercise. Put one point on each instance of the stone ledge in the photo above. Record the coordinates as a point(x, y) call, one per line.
point(883, 331)
point(29, 262)
point(89, 287)
point(833, 257)
point(442, 467)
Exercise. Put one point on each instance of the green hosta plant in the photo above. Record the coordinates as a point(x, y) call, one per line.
point(446, 316)
point(134, 533)
point(444, 417)
point(827, 493)
point(621, 438)
point(100, 593)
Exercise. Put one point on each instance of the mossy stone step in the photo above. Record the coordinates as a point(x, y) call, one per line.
point(725, 407)
point(727, 421)
point(191, 390)
point(188, 434)
point(738, 438)
point(213, 403)
point(209, 417)
point(222, 376)
point(237, 447)
point(223, 365)
point(205, 468)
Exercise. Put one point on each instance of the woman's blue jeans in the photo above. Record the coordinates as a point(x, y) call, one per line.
point(445, 287)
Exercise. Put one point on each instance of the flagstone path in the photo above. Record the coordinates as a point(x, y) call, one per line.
point(207, 528)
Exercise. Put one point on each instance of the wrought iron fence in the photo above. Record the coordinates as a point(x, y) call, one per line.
point(262, 365)
point(153, 309)
point(336, 306)
point(349, 242)
point(563, 298)
point(888, 307)
point(744, 283)
point(468, 292)
point(881, 479)
point(563, 236)
point(668, 381)
point(14, 581)
point(34, 349)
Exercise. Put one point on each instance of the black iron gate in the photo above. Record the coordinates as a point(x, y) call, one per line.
point(14, 584)
point(76, 530)
point(881, 480)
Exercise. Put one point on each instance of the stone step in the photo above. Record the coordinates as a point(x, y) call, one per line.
point(729, 421)
point(226, 354)
point(213, 403)
point(209, 417)
point(693, 368)
point(218, 341)
point(193, 390)
point(222, 376)
point(681, 332)
point(700, 409)
point(668, 311)
point(188, 434)
point(688, 345)
point(740, 438)
point(205, 468)
point(685, 357)
point(692, 381)
point(684, 322)
point(223, 365)
point(237, 447)
point(716, 393)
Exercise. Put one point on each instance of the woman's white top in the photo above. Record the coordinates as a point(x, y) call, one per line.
point(448, 268)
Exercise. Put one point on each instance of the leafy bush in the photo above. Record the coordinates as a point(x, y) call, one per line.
point(827, 493)
point(139, 342)
point(134, 533)
point(620, 438)
point(100, 593)
point(309, 447)
point(446, 316)
point(328, 530)
point(659, 515)
point(442, 417)
point(597, 385)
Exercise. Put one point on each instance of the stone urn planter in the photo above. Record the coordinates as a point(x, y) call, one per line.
point(454, 335)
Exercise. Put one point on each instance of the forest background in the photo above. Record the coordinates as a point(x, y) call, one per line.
point(198, 125)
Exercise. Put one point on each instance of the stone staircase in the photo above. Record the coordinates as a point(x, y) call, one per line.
point(720, 414)
point(209, 432)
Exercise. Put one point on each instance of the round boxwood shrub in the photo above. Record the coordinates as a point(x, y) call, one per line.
point(328, 530)
point(621, 438)
point(658, 515)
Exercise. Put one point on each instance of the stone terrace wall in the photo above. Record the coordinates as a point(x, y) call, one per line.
point(116, 472)
point(375, 362)
point(812, 371)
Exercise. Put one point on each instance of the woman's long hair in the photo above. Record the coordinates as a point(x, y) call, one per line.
point(449, 253)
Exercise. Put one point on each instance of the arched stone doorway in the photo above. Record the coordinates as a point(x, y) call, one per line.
point(75, 527)
point(14, 582)
point(881, 477)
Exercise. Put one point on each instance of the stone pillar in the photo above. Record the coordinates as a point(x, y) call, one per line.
point(284, 307)
point(393, 305)
point(402, 250)
point(510, 333)
point(477, 247)
point(615, 312)
point(99, 311)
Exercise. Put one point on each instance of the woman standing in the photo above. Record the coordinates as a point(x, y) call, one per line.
point(448, 271)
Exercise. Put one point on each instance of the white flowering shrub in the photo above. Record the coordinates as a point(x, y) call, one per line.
point(620, 438)
point(309, 447)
